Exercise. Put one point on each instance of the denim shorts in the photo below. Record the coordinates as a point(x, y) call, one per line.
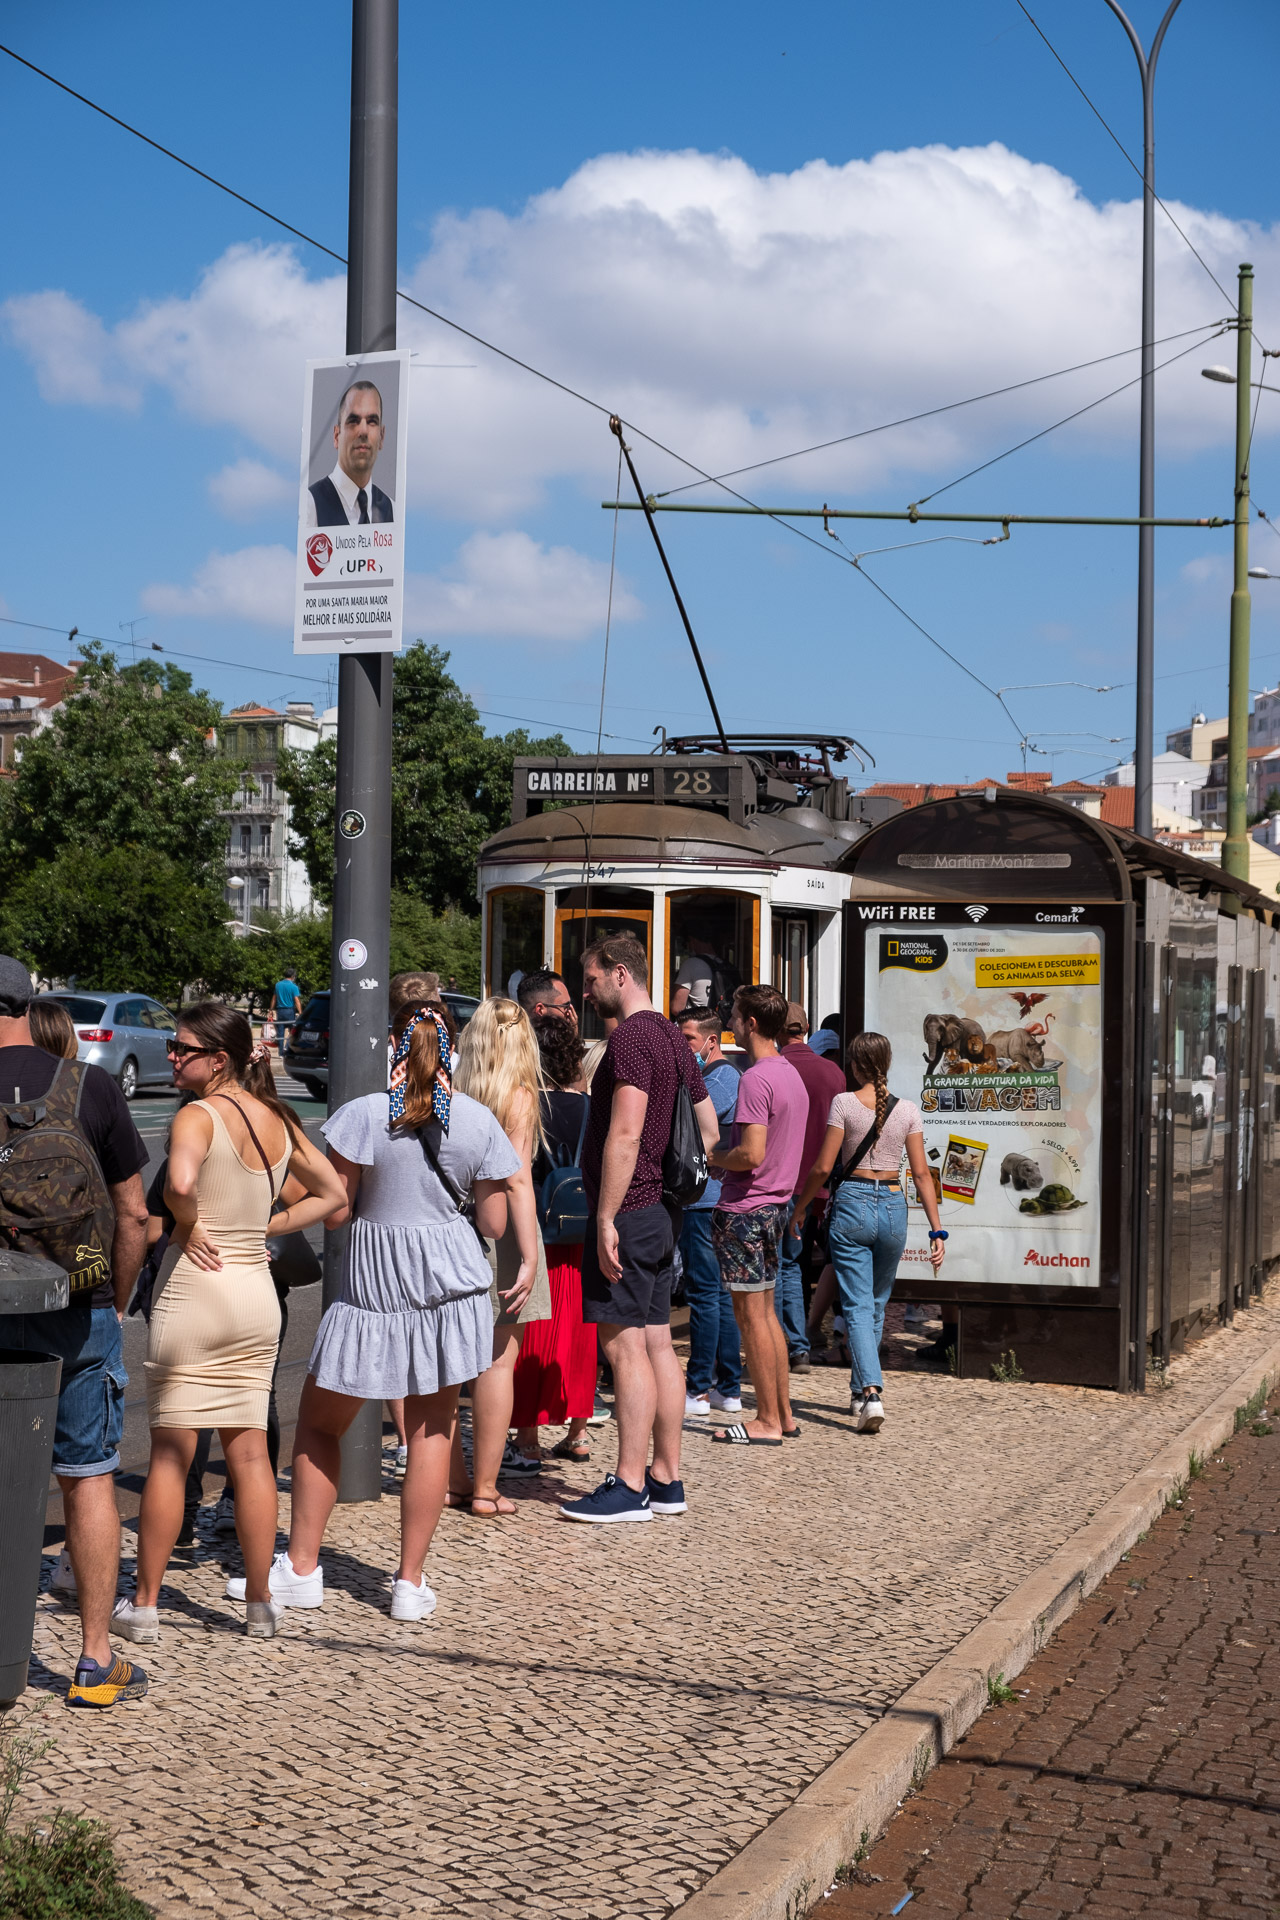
point(747, 1246)
point(89, 1342)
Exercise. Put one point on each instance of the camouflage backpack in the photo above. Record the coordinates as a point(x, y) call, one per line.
point(53, 1198)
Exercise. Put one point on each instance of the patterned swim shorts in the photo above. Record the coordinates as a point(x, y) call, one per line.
point(747, 1245)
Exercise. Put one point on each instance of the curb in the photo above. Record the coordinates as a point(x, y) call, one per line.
point(795, 1859)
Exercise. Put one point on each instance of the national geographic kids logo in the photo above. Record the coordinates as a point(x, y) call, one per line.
point(916, 952)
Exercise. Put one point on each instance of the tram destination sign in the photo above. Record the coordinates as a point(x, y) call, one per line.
point(673, 780)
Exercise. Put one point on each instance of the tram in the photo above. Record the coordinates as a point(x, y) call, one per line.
point(719, 862)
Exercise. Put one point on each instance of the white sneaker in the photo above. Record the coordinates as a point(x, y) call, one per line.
point(696, 1406)
point(514, 1461)
point(914, 1319)
point(599, 1413)
point(724, 1402)
point(262, 1618)
point(224, 1514)
point(290, 1589)
point(409, 1602)
point(135, 1623)
point(869, 1412)
point(402, 1462)
point(63, 1583)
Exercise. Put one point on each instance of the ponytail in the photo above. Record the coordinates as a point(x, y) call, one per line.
point(223, 1030)
point(868, 1061)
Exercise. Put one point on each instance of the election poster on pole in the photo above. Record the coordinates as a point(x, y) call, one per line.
point(997, 1035)
point(349, 592)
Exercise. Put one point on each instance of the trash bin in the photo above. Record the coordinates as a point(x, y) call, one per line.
point(28, 1411)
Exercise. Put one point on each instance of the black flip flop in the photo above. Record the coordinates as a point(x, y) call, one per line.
point(793, 1434)
point(737, 1436)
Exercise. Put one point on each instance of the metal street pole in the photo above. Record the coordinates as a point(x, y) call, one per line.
point(362, 865)
point(1235, 851)
point(1143, 721)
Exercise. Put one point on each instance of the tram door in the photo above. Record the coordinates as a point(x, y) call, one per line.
point(713, 945)
point(579, 921)
point(793, 938)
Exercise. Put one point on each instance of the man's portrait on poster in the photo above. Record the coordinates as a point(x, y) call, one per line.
point(347, 495)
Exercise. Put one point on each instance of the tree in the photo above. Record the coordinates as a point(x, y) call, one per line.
point(111, 835)
point(126, 762)
point(450, 788)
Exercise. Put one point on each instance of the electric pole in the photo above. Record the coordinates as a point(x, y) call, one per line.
point(362, 864)
point(1235, 851)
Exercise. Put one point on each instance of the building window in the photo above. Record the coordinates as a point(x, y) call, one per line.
point(264, 840)
point(264, 891)
point(246, 837)
point(266, 788)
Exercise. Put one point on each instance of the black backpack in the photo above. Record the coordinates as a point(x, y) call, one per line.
point(53, 1198)
point(685, 1170)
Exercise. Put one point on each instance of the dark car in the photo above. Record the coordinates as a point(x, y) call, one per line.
point(305, 1052)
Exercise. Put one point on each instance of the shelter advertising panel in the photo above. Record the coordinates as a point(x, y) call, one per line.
point(996, 1018)
point(349, 589)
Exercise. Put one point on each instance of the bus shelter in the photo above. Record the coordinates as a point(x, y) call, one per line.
point(1087, 1021)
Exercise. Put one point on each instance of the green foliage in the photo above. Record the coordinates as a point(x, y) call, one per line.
point(450, 787)
point(1006, 1368)
point(126, 762)
point(1253, 1406)
point(999, 1692)
point(67, 1872)
point(445, 943)
point(128, 919)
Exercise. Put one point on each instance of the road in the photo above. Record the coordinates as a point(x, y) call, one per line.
point(1136, 1765)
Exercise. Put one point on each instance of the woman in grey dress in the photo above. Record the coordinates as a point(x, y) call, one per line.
point(414, 1318)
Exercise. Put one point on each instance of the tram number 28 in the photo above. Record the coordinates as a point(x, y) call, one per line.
point(685, 782)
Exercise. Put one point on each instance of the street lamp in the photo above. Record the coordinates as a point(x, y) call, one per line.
point(1260, 573)
point(235, 881)
point(1235, 848)
point(1143, 743)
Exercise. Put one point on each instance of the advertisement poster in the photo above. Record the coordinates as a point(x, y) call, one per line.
point(997, 1036)
point(350, 575)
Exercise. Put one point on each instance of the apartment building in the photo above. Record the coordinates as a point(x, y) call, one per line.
point(258, 817)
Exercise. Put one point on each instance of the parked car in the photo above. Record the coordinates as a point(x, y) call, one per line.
point(127, 1033)
point(305, 1053)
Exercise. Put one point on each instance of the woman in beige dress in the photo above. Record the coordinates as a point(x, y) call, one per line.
point(216, 1320)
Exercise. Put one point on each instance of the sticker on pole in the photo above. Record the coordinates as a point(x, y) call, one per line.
point(352, 954)
point(349, 575)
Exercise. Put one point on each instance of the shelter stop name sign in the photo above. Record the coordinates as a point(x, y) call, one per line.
point(995, 1017)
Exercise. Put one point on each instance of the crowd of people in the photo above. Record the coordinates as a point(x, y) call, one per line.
point(518, 1207)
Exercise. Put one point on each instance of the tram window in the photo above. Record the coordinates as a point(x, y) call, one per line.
point(515, 934)
point(713, 944)
point(611, 910)
point(793, 940)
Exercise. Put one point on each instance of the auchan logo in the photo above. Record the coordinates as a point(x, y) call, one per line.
point(1033, 1259)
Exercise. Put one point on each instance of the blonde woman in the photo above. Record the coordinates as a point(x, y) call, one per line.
point(413, 1320)
point(499, 1065)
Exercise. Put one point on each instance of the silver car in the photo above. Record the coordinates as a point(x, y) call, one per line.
point(127, 1033)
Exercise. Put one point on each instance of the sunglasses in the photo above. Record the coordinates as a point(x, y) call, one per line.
point(180, 1050)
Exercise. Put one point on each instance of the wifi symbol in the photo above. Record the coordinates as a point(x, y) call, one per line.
point(976, 913)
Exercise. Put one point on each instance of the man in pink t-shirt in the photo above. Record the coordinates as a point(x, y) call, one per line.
point(761, 1170)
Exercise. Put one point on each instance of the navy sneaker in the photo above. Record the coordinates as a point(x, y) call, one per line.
point(666, 1497)
point(612, 1501)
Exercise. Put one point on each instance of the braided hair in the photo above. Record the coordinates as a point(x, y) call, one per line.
point(868, 1062)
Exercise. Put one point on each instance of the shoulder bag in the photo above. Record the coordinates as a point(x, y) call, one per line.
point(685, 1170)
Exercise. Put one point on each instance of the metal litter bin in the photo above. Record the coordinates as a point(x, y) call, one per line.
point(28, 1411)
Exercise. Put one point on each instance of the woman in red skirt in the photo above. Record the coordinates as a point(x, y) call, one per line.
point(555, 1382)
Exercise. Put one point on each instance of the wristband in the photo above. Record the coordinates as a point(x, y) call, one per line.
point(938, 1233)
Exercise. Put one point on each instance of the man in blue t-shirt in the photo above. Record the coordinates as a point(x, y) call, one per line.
point(713, 1377)
point(285, 1001)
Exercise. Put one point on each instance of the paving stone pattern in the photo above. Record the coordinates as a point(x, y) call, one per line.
point(597, 1718)
point(1139, 1770)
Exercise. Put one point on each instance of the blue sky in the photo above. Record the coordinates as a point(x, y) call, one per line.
point(748, 231)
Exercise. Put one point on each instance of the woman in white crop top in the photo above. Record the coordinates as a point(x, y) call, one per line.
point(867, 1223)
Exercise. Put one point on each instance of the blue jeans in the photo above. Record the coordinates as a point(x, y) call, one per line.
point(866, 1233)
point(788, 1295)
point(715, 1354)
point(89, 1343)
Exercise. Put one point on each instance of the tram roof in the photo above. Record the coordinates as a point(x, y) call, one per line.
point(1008, 843)
point(654, 834)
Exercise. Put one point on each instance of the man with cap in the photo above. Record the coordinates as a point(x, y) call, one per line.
point(823, 1080)
point(85, 1335)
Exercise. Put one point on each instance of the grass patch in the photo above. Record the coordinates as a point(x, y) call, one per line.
point(999, 1692)
point(1253, 1406)
point(1195, 1464)
point(800, 1905)
point(1261, 1428)
point(1006, 1368)
point(63, 1871)
point(1176, 1494)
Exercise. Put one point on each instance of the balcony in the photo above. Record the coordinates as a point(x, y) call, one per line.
point(257, 806)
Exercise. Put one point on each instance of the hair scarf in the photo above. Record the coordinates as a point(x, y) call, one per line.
point(442, 1088)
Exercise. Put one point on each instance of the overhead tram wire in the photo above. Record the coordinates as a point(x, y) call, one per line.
point(501, 352)
point(1211, 327)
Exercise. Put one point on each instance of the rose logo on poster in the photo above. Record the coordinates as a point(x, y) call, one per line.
point(319, 552)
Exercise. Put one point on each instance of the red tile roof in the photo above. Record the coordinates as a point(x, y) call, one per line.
point(1117, 807)
point(254, 713)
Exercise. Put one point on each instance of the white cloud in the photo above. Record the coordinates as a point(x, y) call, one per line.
point(503, 585)
point(255, 584)
point(732, 314)
point(247, 488)
point(507, 586)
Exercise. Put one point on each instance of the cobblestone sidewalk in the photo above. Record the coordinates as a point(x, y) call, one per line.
point(595, 1719)
point(1137, 1769)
